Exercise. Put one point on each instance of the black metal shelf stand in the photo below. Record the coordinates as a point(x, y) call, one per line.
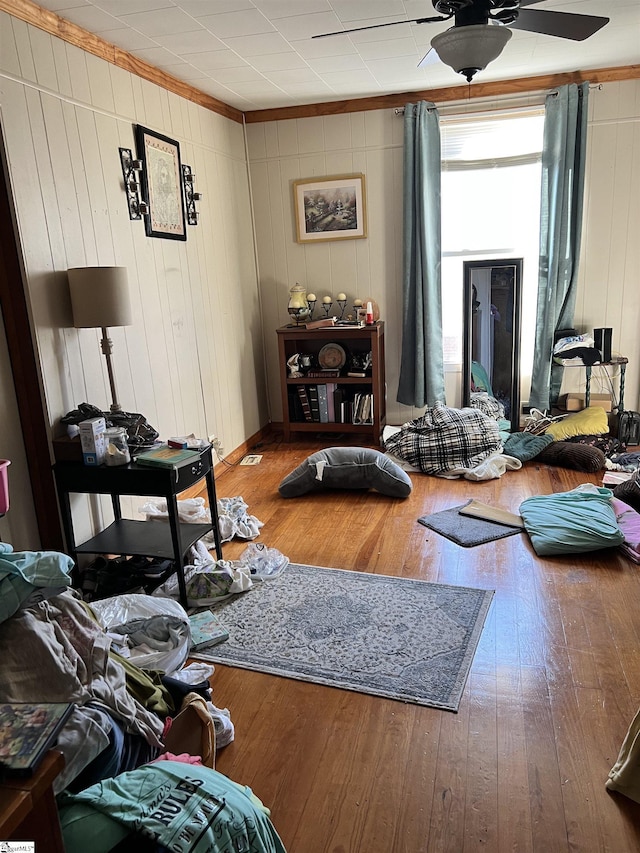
point(153, 538)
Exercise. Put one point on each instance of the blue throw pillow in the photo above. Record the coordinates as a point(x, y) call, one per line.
point(573, 522)
point(347, 468)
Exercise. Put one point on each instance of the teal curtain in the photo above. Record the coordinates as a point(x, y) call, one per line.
point(563, 167)
point(422, 361)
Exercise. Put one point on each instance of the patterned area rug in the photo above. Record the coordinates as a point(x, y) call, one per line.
point(394, 637)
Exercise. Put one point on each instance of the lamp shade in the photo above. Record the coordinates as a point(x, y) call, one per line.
point(471, 48)
point(99, 297)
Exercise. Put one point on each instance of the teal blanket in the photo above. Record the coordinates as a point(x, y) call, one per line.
point(525, 446)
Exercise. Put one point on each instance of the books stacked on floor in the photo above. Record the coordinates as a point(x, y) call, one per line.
point(330, 403)
point(206, 630)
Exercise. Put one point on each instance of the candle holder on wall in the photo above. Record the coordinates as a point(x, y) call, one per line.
point(190, 196)
point(130, 169)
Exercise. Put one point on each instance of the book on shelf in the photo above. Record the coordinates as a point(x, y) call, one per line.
point(296, 413)
point(167, 457)
point(331, 407)
point(323, 404)
point(312, 391)
point(304, 400)
point(328, 373)
point(324, 323)
point(206, 630)
point(27, 731)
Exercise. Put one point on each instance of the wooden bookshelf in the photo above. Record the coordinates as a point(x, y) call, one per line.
point(354, 341)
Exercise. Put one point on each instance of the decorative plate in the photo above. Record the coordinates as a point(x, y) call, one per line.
point(332, 357)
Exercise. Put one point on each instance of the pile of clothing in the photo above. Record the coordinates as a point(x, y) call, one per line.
point(573, 348)
point(138, 741)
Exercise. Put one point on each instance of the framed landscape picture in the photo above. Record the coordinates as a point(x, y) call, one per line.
point(161, 184)
point(331, 208)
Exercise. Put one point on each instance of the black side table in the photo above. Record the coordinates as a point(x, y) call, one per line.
point(139, 538)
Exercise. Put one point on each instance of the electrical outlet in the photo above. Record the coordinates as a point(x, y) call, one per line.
point(217, 445)
point(251, 459)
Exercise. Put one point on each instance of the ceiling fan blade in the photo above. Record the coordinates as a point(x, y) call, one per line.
point(566, 25)
point(430, 58)
point(388, 24)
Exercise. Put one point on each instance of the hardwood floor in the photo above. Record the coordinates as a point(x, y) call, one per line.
point(553, 687)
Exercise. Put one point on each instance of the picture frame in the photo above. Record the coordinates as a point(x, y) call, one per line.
point(161, 184)
point(331, 208)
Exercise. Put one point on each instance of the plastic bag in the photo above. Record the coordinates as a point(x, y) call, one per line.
point(140, 434)
point(263, 563)
point(233, 519)
point(156, 630)
point(190, 510)
point(209, 583)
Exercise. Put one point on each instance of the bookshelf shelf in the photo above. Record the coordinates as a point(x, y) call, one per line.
point(358, 394)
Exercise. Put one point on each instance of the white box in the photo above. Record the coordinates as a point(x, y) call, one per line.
point(92, 441)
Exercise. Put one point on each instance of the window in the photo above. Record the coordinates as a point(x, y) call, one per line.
point(490, 209)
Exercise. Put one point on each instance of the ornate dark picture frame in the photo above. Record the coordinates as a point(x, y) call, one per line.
point(161, 184)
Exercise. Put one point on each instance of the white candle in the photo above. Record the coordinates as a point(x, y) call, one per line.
point(357, 303)
point(327, 300)
point(311, 297)
point(341, 297)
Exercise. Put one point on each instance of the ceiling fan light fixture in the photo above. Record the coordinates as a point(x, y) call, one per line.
point(470, 49)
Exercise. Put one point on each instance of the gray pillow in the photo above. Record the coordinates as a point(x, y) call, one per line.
point(347, 468)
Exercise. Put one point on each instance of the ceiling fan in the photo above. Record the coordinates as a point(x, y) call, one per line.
point(482, 28)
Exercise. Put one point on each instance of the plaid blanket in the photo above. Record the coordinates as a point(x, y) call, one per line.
point(444, 439)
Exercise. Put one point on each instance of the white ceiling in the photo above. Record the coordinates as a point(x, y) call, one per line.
point(259, 54)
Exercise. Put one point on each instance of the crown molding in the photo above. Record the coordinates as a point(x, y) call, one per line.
point(31, 13)
point(518, 86)
point(43, 19)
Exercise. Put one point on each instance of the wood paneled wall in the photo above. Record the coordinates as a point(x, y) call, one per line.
point(608, 292)
point(371, 142)
point(192, 361)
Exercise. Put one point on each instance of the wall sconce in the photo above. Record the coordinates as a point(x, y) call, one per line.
point(130, 169)
point(190, 196)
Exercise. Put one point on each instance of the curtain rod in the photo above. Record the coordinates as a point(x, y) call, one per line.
point(399, 111)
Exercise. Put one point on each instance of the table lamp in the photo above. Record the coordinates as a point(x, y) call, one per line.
point(100, 299)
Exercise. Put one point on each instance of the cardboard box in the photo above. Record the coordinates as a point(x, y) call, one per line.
point(66, 449)
point(92, 439)
point(575, 402)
